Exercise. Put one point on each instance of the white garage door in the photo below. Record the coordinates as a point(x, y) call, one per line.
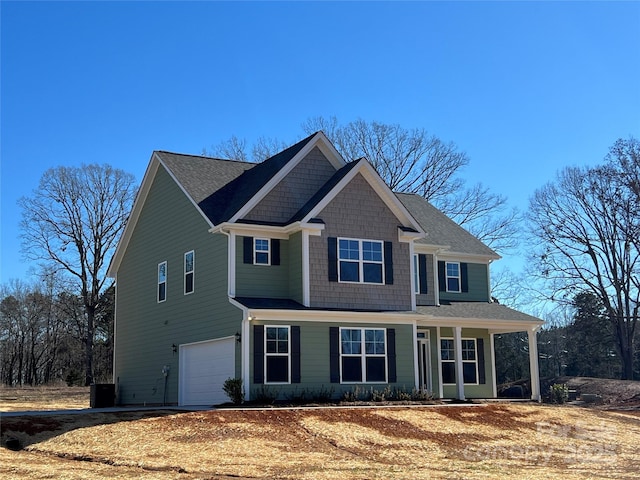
point(204, 366)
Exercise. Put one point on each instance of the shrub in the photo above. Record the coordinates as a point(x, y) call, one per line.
point(234, 390)
point(559, 393)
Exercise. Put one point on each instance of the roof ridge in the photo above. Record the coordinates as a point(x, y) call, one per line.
point(205, 156)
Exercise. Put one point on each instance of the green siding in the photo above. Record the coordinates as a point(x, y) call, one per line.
point(168, 227)
point(478, 285)
point(271, 281)
point(471, 391)
point(314, 358)
point(295, 267)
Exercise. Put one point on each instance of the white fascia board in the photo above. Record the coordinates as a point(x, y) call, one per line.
point(450, 256)
point(408, 237)
point(493, 325)
point(186, 194)
point(400, 318)
point(147, 181)
point(271, 231)
point(141, 197)
point(319, 140)
point(384, 192)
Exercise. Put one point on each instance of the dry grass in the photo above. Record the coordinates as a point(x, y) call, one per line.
point(477, 442)
point(15, 399)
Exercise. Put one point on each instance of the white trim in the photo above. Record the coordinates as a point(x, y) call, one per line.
point(255, 251)
point(436, 282)
point(330, 316)
point(364, 168)
point(533, 364)
point(158, 282)
point(439, 348)
point(494, 382)
point(337, 161)
point(447, 276)
point(231, 262)
point(271, 231)
point(147, 181)
point(361, 261)
point(457, 341)
point(306, 281)
point(185, 273)
point(244, 347)
point(416, 352)
point(266, 354)
point(363, 355)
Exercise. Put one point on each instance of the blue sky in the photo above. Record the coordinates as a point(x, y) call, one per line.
point(523, 88)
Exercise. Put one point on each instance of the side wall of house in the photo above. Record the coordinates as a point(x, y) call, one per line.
point(168, 227)
point(478, 281)
point(270, 281)
point(428, 298)
point(358, 212)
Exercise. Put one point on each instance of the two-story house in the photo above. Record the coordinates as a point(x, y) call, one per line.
point(301, 272)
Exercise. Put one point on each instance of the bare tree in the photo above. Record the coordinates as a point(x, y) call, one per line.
point(414, 161)
point(584, 231)
point(72, 222)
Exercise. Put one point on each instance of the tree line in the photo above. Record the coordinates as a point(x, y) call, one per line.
point(43, 333)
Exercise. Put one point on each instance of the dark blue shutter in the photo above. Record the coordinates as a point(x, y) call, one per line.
point(464, 278)
point(334, 354)
point(247, 246)
point(333, 259)
point(275, 251)
point(482, 374)
point(258, 354)
point(388, 263)
point(295, 354)
point(422, 272)
point(391, 354)
point(442, 277)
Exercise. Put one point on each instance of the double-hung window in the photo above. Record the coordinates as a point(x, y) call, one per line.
point(360, 261)
point(277, 354)
point(189, 270)
point(469, 361)
point(162, 281)
point(453, 277)
point(261, 255)
point(363, 355)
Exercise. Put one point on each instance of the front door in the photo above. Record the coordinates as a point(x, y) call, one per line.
point(424, 362)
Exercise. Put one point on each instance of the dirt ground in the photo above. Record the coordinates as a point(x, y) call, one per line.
point(496, 440)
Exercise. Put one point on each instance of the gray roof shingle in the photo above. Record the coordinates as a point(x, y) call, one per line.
point(222, 187)
point(476, 310)
point(441, 230)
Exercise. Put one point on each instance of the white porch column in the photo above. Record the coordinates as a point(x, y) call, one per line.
point(533, 364)
point(494, 385)
point(439, 350)
point(457, 340)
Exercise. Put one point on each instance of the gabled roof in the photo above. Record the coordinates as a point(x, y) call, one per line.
point(221, 188)
point(441, 230)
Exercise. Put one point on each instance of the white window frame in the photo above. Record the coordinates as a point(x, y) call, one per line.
point(468, 361)
point(416, 274)
point(457, 277)
point(360, 260)
point(267, 355)
point(256, 251)
point(162, 282)
point(191, 272)
point(363, 355)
